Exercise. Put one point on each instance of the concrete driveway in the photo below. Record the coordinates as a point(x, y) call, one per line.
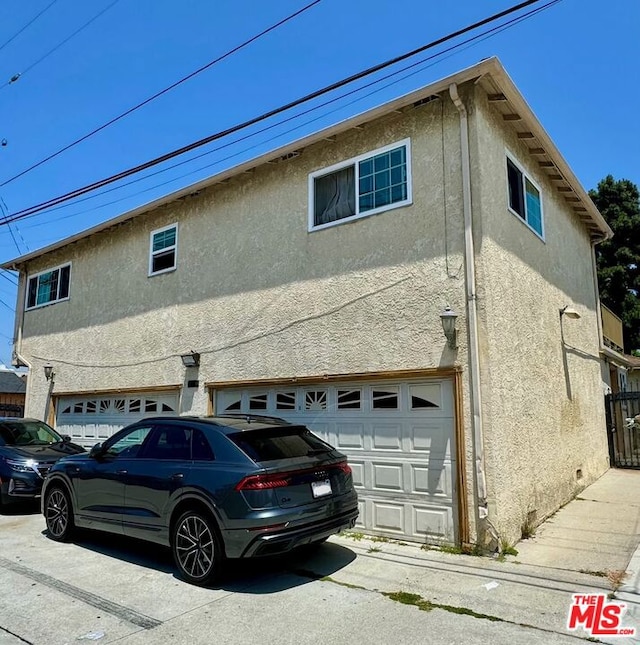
point(105, 589)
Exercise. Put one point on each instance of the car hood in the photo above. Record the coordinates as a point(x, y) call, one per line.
point(50, 452)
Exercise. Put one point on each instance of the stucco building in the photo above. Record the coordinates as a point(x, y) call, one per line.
point(310, 284)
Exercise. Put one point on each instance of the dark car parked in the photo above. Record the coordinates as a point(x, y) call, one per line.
point(232, 486)
point(28, 449)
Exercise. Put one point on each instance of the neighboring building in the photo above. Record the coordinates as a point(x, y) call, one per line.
point(12, 393)
point(633, 375)
point(615, 363)
point(309, 284)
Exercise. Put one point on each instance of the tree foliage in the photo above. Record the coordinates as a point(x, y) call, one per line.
point(619, 258)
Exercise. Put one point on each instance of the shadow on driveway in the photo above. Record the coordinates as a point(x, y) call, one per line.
point(252, 575)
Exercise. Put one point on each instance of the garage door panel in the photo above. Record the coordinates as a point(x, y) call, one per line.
point(350, 436)
point(386, 436)
point(432, 437)
point(432, 479)
point(389, 517)
point(357, 472)
point(436, 523)
point(398, 437)
point(388, 476)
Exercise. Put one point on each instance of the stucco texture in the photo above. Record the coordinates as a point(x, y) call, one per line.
point(256, 293)
point(543, 405)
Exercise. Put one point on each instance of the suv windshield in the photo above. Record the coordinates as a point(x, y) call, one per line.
point(280, 443)
point(27, 433)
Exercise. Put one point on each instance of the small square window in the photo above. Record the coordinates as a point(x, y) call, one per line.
point(315, 400)
point(258, 402)
point(285, 400)
point(163, 250)
point(349, 399)
point(385, 398)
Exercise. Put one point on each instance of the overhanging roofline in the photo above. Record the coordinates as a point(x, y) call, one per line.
point(488, 67)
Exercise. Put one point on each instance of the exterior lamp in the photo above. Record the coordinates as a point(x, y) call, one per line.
point(192, 359)
point(48, 371)
point(569, 312)
point(448, 318)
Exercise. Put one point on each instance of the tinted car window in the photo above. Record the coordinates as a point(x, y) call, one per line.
point(169, 442)
point(129, 445)
point(27, 433)
point(281, 443)
point(201, 450)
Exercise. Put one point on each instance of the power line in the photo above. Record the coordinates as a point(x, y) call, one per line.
point(126, 173)
point(27, 25)
point(164, 91)
point(7, 276)
point(450, 51)
point(5, 212)
point(19, 75)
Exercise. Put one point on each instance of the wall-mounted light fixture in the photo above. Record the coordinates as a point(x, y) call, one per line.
point(48, 371)
point(448, 318)
point(192, 359)
point(569, 312)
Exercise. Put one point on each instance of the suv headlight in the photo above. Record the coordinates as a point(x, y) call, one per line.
point(21, 466)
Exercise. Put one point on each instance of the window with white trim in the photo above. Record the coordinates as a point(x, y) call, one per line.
point(525, 199)
point(163, 249)
point(48, 287)
point(365, 185)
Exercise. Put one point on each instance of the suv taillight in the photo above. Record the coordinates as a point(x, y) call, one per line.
point(263, 482)
point(281, 480)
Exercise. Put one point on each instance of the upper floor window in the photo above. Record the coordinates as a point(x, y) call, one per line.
point(524, 197)
point(163, 249)
point(371, 183)
point(48, 286)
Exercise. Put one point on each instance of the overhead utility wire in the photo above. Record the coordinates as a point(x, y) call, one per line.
point(449, 50)
point(165, 90)
point(27, 25)
point(4, 274)
point(126, 173)
point(19, 75)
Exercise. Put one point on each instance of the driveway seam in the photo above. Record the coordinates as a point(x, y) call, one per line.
point(119, 611)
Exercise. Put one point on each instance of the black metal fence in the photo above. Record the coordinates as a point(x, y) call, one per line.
point(623, 429)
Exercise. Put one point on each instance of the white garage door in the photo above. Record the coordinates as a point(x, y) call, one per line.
point(399, 438)
point(90, 419)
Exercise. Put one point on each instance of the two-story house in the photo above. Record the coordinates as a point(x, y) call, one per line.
point(316, 283)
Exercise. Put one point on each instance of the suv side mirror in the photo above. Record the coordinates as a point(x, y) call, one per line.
point(66, 438)
point(96, 451)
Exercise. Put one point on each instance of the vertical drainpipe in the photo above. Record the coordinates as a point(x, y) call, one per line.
point(17, 358)
point(472, 312)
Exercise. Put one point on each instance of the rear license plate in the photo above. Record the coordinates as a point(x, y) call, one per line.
point(322, 488)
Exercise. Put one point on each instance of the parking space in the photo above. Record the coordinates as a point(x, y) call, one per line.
point(105, 587)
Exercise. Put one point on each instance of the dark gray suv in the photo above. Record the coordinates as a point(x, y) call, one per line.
point(232, 486)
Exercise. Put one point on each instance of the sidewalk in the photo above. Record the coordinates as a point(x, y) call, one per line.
point(580, 549)
point(598, 531)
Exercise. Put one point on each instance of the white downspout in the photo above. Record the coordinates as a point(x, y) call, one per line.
point(17, 359)
point(472, 312)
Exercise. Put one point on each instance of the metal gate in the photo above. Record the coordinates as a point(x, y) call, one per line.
point(623, 429)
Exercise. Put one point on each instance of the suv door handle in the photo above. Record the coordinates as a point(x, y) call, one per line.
point(176, 477)
point(121, 472)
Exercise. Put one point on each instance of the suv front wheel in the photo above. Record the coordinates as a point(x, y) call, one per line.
point(58, 514)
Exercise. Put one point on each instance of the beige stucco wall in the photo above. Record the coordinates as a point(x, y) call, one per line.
point(543, 406)
point(257, 294)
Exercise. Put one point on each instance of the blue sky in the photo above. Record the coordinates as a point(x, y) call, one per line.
point(575, 62)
